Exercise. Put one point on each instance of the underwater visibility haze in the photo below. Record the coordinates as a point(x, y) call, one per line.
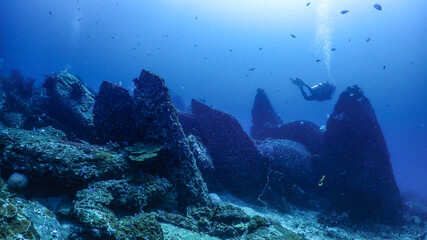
point(90, 137)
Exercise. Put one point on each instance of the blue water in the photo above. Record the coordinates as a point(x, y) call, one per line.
point(204, 50)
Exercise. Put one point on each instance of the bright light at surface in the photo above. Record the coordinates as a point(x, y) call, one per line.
point(324, 31)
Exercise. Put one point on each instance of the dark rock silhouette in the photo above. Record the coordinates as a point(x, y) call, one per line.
point(70, 102)
point(356, 163)
point(263, 115)
point(239, 165)
point(267, 124)
point(292, 174)
point(189, 123)
point(304, 132)
point(113, 118)
point(157, 123)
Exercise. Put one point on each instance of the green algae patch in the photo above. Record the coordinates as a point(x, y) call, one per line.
point(140, 152)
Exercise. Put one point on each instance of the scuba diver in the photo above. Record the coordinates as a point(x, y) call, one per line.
point(319, 92)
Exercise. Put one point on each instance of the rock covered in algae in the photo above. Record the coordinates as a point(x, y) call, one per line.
point(24, 219)
point(292, 176)
point(356, 163)
point(238, 164)
point(204, 163)
point(113, 117)
point(70, 102)
point(46, 152)
point(224, 221)
point(157, 123)
point(304, 132)
point(99, 208)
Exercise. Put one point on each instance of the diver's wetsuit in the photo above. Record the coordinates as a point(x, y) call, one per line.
point(312, 91)
point(320, 92)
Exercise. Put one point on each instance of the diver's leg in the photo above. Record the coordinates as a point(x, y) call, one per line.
point(304, 94)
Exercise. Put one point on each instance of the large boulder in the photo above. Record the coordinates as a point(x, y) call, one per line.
point(239, 165)
point(263, 115)
point(70, 102)
point(100, 208)
point(267, 124)
point(292, 173)
point(113, 117)
point(304, 132)
point(157, 123)
point(355, 162)
point(53, 164)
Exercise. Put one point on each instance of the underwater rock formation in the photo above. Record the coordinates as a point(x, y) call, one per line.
point(304, 132)
point(292, 175)
point(267, 124)
point(356, 163)
point(113, 117)
point(204, 163)
point(99, 208)
point(157, 123)
point(239, 165)
point(17, 97)
point(263, 115)
point(70, 102)
point(189, 123)
point(23, 219)
point(53, 164)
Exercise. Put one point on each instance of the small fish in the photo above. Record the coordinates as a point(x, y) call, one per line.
point(345, 11)
point(368, 39)
point(318, 60)
point(293, 36)
point(117, 4)
point(260, 49)
point(50, 13)
point(384, 67)
point(251, 69)
point(308, 4)
point(333, 49)
point(79, 19)
point(412, 63)
point(196, 17)
point(230, 50)
point(195, 45)
point(321, 181)
point(349, 40)
point(78, 9)
point(377, 6)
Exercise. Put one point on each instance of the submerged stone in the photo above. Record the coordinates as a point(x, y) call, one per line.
point(263, 115)
point(157, 123)
point(63, 165)
point(239, 165)
point(304, 132)
point(356, 163)
point(292, 175)
point(70, 102)
point(113, 117)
